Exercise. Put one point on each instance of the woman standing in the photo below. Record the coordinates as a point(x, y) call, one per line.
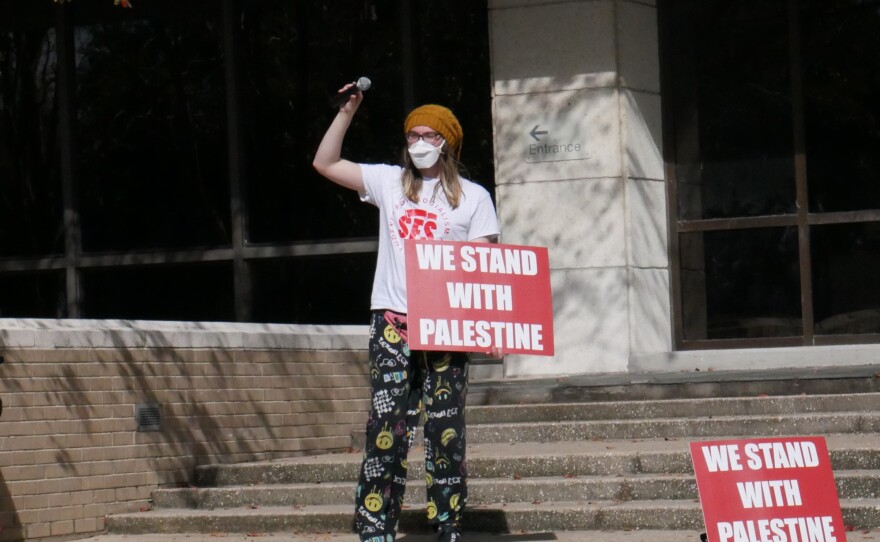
point(425, 198)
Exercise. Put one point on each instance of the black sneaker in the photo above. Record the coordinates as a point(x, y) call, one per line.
point(448, 533)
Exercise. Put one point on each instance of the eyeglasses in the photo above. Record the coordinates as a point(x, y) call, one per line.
point(429, 137)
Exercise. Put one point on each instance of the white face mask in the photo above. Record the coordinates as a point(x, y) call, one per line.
point(423, 154)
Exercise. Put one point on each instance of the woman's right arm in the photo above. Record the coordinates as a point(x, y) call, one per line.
point(327, 158)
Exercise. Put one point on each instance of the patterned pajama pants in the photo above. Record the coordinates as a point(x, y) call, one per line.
point(404, 384)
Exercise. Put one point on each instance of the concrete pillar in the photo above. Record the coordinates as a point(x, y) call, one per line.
point(579, 169)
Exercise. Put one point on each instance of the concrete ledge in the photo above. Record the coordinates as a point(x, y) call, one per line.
point(48, 334)
point(749, 359)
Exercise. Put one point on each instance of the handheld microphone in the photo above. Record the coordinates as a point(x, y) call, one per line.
point(340, 98)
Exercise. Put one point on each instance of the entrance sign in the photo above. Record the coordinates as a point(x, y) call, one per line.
point(546, 146)
point(768, 490)
point(478, 297)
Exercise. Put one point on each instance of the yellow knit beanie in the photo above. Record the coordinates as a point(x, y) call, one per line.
point(440, 119)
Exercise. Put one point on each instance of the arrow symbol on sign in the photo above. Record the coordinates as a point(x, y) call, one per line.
point(535, 132)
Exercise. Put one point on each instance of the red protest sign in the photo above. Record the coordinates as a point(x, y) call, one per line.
point(477, 297)
point(768, 490)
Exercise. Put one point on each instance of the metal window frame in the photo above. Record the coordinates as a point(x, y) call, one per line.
point(671, 51)
point(74, 260)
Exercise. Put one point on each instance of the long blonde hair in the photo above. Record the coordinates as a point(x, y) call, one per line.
point(450, 178)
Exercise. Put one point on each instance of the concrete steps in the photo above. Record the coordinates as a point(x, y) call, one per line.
point(672, 418)
point(547, 466)
point(534, 516)
point(856, 484)
point(673, 408)
point(525, 459)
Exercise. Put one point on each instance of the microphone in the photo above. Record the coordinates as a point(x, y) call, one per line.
point(340, 98)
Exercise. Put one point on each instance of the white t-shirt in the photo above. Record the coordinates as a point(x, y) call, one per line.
point(431, 218)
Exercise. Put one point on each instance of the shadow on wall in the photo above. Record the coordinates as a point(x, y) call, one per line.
point(188, 431)
point(567, 190)
point(199, 386)
point(543, 198)
point(188, 424)
point(579, 169)
point(10, 525)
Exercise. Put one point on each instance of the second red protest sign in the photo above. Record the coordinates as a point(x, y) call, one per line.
point(778, 489)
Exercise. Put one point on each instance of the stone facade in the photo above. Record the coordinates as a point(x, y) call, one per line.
point(579, 169)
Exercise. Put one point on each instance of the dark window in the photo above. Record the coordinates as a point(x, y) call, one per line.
point(155, 162)
point(841, 59)
point(160, 292)
point(32, 294)
point(773, 131)
point(290, 70)
point(297, 53)
point(279, 285)
point(151, 137)
point(846, 258)
point(741, 283)
point(30, 182)
point(736, 157)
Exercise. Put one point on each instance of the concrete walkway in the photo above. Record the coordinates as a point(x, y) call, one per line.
point(559, 536)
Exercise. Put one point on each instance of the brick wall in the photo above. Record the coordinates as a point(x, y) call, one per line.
point(70, 453)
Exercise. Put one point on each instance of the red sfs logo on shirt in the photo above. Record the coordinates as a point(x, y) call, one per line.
point(417, 224)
